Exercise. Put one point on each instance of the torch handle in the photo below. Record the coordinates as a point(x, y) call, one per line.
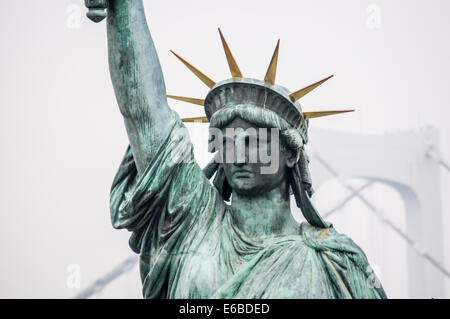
point(97, 9)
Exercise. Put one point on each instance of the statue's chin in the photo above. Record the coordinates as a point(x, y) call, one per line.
point(249, 188)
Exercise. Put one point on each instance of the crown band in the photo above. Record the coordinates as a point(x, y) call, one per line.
point(241, 91)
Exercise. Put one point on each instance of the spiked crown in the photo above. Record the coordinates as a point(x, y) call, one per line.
point(265, 94)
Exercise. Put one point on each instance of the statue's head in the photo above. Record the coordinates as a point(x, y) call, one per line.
point(256, 134)
point(258, 131)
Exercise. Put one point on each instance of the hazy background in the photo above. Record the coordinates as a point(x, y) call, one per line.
point(62, 136)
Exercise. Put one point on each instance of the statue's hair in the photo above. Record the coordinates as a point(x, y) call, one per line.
point(261, 117)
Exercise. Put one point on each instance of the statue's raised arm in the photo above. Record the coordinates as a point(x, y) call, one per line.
point(137, 77)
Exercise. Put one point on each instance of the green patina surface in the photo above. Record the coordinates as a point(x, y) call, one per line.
point(192, 243)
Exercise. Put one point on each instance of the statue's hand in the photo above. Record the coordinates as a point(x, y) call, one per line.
point(96, 9)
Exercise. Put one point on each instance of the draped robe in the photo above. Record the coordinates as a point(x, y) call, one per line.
point(190, 248)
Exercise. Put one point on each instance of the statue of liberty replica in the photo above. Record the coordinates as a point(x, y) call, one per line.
point(224, 231)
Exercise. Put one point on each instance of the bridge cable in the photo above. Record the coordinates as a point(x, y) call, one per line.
point(434, 155)
point(347, 199)
point(109, 277)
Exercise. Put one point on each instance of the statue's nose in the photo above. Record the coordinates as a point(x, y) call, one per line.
point(240, 164)
point(241, 151)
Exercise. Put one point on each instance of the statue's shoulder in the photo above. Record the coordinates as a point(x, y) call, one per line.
point(340, 255)
point(328, 239)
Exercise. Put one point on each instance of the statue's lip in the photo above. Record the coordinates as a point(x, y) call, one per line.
point(242, 171)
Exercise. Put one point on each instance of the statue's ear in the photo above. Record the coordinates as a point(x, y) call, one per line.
point(291, 158)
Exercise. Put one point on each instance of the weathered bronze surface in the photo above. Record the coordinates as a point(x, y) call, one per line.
point(192, 242)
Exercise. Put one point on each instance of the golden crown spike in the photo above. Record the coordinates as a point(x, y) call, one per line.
point(314, 114)
point(272, 69)
point(202, 76)
point(196, 119)
point(234, 68)
point(187, 99)
point(295, 96)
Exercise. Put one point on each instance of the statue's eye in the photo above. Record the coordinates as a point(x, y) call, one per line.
point(227, 142)
point(251, 141)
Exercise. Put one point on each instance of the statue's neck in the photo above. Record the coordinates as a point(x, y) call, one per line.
point(265, 214)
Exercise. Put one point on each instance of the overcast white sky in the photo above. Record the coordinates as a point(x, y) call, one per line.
point(62, 136)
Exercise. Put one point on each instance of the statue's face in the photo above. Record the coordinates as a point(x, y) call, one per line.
point(252, 174)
